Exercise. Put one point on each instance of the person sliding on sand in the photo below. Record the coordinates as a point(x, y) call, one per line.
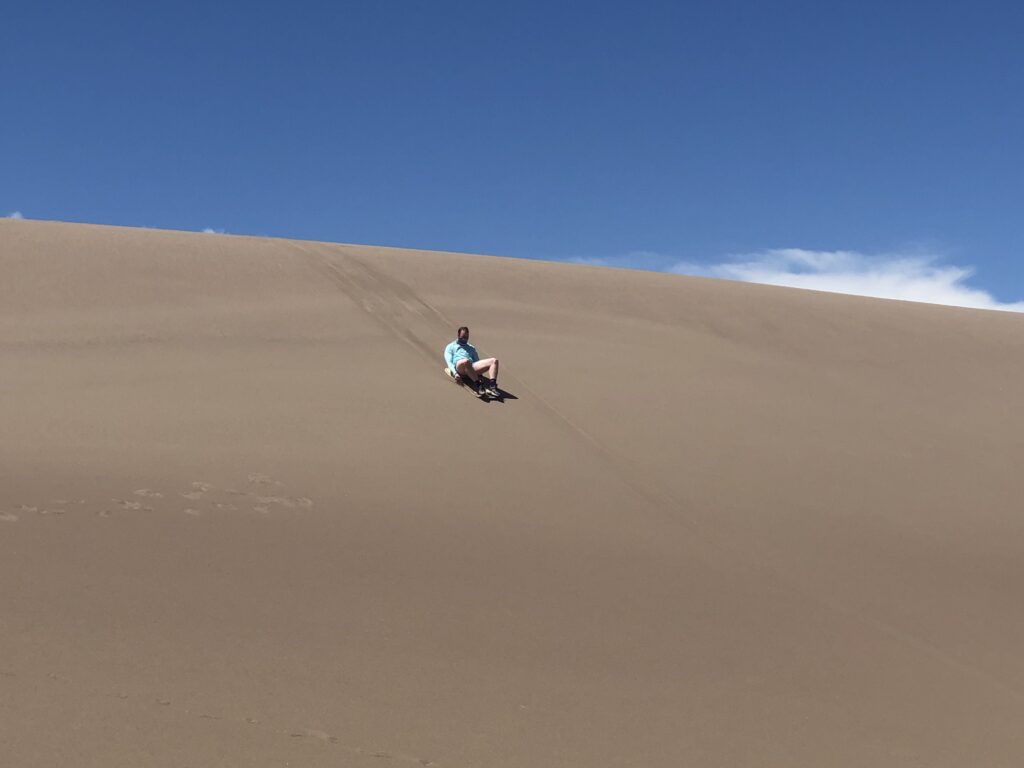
point(466, 365)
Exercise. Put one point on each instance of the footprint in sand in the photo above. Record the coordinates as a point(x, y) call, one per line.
point(8, 517)
point(192, 512)
point(258, 479)
point(133, 505)
point(146, 493)
point(193, 496)
point(313, 733)
point(261, 509)
point(204, 487)
point(25, 509)
point(290, 502)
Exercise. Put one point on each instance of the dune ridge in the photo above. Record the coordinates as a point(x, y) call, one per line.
point(244, 519)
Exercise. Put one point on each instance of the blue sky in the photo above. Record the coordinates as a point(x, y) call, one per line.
point(866, 144)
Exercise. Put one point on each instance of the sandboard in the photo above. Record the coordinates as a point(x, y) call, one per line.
point(467, 386)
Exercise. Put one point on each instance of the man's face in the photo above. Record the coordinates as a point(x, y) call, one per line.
point(464, 336)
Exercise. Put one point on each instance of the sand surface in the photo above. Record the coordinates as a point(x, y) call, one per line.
point(245, 521)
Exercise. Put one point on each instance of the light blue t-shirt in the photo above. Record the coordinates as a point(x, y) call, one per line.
point(459, 351)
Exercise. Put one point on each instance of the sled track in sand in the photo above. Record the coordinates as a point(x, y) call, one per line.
point(397, 308)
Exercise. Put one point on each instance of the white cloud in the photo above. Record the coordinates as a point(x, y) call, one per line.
point(211, 231)
point(905, 277)
point(14, 215)
point(647, 260)
point(593, 261)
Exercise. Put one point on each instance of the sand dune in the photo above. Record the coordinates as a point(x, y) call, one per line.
point(244, 520)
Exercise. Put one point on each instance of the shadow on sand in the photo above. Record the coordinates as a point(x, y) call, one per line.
point(505, 395)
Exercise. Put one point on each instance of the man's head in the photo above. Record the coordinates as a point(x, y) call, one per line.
point(463, 334)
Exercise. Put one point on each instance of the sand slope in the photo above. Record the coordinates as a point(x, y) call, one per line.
point(244, 521)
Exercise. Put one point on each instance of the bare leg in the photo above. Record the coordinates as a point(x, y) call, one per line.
point(490, 365)
point(467, 371)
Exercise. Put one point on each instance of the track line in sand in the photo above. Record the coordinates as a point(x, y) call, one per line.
point(383, 298)
point(377, 295)
point(396, 307)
